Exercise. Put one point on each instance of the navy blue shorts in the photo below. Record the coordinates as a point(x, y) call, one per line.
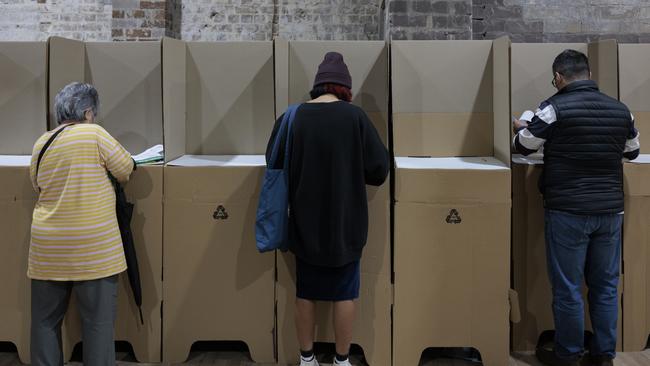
point(327, 283)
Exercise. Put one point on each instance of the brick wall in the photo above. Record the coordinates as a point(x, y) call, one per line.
point(137, 20)
point(430, 19)
point(209, 20)
point(562, 21)
point(330, 20)
point(227, 20)
point(38, 19)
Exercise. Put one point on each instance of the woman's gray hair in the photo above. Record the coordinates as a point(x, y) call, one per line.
point(72, 102)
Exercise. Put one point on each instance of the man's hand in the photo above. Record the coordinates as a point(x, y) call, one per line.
point(518, 124)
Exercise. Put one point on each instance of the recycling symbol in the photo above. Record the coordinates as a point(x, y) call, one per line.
point(454, 217)
point(220, 213)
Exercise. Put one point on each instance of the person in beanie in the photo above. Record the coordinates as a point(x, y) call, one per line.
point(336, 151)
point(585, 135)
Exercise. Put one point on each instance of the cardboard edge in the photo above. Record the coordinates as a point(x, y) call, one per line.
point(501, 99)
point(603, 59)
point(281, 75)
point(66, 63)
point(174, 84)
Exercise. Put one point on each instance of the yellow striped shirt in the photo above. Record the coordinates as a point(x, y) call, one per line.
point(75, 236)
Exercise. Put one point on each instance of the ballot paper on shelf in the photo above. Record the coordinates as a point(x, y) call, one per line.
point(15, 160)
point(153, 155)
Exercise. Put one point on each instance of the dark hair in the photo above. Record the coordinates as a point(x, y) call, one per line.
point(340, 91)
point(572, 65)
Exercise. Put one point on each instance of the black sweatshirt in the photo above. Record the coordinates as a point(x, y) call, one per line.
point(335, 152)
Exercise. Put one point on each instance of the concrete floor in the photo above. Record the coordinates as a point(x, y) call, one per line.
point(242, 359)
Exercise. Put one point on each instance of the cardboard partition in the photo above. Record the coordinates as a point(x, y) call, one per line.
point(451, 98)
point(530, 275)
point(636, 256)
point(217, 286)
point(532, 70)
point(219, 104)
point(23, 107)
point(452, 267)
point(144, 190)
point(23, 95)
point(219, 97)
point(634, 74)
point(531, 76)
point(296, 66)
point(128, 78)
point(17, 200)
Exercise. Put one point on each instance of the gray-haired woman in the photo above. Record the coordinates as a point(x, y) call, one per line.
point(76, 243)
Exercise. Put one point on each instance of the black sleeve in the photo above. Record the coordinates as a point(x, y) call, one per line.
point(269, 145)
point(632, 145)
point(375, 155)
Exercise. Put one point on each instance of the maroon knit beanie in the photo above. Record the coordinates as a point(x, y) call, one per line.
point(333, 70)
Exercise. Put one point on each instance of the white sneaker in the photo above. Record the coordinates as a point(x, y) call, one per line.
point(311, 362)
point(344, 363)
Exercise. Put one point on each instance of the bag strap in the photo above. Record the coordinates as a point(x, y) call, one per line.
point(285, 125)
point(45, 147)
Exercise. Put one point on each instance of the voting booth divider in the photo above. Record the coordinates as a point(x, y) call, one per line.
point(466, 213)
point(634, 75)
point(452, 197)
point(531, 75)
point(23, 107)
point(219, 111)
point(296, 66)
point(128, 79)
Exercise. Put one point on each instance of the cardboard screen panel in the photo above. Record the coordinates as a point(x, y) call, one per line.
point(634, 74)
point(372, 326)
point(67, 64)
point(17, 200)
point(501, 99)
point(128, 77)
point(442, 98)
point(532, 73)
point(452, 273)
point(217, 286)
point(636, 256)
point(530, 275)
point(297, 62)
point(230, 97)
point(174, 62)
point(23, 95)
point(368, 66)
point(603, 62)
point(144, 190)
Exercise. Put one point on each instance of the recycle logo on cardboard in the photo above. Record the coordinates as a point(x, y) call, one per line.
point(454, 217)
point(220, 213)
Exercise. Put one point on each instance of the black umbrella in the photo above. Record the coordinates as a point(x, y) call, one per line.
point(124, 211)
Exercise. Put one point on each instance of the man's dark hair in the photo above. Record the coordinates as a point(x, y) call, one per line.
point(572, 65)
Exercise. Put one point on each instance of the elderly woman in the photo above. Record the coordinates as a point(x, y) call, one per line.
point(76, 244)
point(335, 152)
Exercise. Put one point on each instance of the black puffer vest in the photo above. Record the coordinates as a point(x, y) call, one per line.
point(583, 170)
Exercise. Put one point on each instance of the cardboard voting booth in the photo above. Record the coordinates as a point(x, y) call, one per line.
point(296, 66)
point(531, 75)
point(452, 198)
point(634, 74)
point(128, 78)
point(23, 107)
point(219, 113)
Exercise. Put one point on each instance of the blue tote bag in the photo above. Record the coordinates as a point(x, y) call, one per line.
point(272, 222)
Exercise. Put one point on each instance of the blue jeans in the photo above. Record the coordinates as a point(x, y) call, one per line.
point(584, 248)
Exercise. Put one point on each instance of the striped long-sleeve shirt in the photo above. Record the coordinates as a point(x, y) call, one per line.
point(75, 235)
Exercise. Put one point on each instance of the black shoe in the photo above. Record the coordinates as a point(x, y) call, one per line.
point(548, 357)
point(601, 360)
